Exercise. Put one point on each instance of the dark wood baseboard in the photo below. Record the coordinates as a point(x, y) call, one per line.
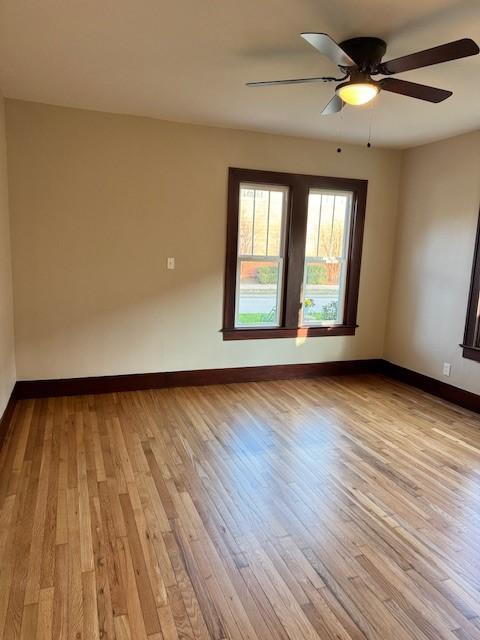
point(135, 382)
point(442, 390)
point(7, 416)
point(138, 381)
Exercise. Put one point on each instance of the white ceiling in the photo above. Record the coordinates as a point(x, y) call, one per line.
point(188, 60)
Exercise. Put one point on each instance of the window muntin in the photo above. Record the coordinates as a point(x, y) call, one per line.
point(260, 255)
point(326, 257)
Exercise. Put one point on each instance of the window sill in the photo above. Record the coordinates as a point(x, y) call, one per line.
point(282, 332)
point(472, 353)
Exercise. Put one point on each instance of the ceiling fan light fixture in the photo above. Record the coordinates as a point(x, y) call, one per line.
point(357, 93)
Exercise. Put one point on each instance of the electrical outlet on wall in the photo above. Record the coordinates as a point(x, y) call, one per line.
point(446, 368)
point(170, 263)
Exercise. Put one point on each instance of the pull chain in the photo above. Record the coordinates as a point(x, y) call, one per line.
point(339, 127)
point(369, 143)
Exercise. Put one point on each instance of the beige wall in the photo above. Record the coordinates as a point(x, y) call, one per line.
point(433, 259)
point(99, 201)
point(7, 353)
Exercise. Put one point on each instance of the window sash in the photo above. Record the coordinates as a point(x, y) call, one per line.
point(348, 217)
point(279, 293)
point(284, 189)
point(341, 292)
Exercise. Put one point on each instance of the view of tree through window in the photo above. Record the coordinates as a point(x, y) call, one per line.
point(260, 254)
point(326, 248)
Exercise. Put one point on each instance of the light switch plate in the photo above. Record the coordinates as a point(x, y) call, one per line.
point(170, 263)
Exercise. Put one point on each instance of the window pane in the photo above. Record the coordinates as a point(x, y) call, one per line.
point(321, 297)
point(258, 293)
point(313, 219)
point(326, 249)
point(327, 213)
point(277, 203)
point(261, 220)
point(245, 226)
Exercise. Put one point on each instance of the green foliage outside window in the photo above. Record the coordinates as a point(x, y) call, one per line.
point(327, 311)
point(267, 274)
point(317, 274)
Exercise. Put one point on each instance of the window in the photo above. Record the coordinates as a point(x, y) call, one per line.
point(471, 340)
point(294, 245)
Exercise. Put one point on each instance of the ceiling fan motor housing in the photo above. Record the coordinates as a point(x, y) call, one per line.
point(366, 52)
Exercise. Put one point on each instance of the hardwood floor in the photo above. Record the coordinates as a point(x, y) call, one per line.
point(332, 508)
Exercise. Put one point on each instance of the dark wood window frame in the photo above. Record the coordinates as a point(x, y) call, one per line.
point(471, 339)
point(296, 225)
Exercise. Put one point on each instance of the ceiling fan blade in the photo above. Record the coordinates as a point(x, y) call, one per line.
point(326, 45)
point(443, 53)
point(270, 83)
point(335, 105)
point(414, 90)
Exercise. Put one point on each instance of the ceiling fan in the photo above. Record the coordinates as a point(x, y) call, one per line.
point(361, 58)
